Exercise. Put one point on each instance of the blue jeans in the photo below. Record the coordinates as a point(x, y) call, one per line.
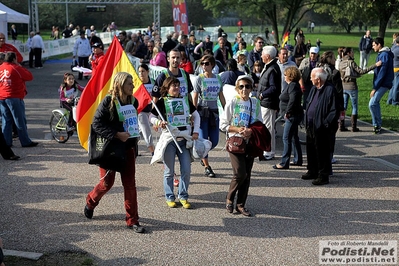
point(291, 132)
point(14, 108)
point(354, 99)
point(169, 172)
point(393, 97)
point(374, 106)
point(209, 132)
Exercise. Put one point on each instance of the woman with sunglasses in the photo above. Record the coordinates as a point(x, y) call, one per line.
point(241, 112)
point(207, 90)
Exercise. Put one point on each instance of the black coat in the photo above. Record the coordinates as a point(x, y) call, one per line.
point(106, 126)
point(270, 86)
point(290, 100)
point(326, 110)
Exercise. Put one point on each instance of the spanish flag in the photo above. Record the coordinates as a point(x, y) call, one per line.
point(285, 38)
point(115, 60)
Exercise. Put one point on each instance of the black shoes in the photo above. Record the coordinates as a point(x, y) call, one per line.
point(321, 181)
point(309, 176)
point(137, 228)
point(88, 212)
point(32, 144)
point(229, 208)
point(209, 172)
point(243, 211)
point(13, 158)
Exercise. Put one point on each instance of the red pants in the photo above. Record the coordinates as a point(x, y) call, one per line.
point(129, 187)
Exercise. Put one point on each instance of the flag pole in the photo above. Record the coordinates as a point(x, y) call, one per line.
point(167, 126)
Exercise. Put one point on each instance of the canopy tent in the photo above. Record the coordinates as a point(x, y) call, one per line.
point(8, 15)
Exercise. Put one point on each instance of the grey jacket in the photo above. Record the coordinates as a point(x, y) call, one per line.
point(350, 83)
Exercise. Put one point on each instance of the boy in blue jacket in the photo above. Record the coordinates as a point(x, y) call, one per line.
point(382, 81)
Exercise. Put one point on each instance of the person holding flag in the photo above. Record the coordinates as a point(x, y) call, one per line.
point(116, 111)
point(108, 78)
point(176, 132)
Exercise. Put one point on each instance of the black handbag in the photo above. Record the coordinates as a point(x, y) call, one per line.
point(107, 154)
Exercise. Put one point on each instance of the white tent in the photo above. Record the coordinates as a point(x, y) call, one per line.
point(8, 15)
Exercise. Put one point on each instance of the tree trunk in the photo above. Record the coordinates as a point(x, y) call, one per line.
point(383, 26)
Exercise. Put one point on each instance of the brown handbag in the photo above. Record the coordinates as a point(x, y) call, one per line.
point(235, 144)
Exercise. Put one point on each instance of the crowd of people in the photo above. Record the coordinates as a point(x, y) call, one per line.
point(299, 85)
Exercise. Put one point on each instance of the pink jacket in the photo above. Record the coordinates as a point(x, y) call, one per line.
point(159, 60)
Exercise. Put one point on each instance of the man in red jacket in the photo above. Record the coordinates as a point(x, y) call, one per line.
point(97, 56)
point(5, 47)
point(12, 93)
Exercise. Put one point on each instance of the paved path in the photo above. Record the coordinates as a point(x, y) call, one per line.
point(42, 198)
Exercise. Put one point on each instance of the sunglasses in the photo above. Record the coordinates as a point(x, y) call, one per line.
point(261, 42)
point(205, 63)
point(247, 86)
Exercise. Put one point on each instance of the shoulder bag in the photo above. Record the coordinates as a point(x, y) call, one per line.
point(349, 71)
point(107, 154)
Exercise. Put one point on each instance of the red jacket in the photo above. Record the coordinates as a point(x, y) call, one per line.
point(94, 63)
point(188, 67)
point(259, 141)
point(10, 48)
point(12, 81)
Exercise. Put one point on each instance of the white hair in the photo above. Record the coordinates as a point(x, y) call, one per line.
point(270, 50)
point(320, 73)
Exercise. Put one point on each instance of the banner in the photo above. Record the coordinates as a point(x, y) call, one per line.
point(115, 60)
point(180, 18)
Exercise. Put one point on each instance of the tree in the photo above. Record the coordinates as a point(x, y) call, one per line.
point(384, 10)
point(269, 9)
point(348, 13)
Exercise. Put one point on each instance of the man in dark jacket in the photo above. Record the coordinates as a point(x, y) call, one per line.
point(256, 53)
point(169, 44)
point(365, 46)
point(321, 119)
point(269, 90)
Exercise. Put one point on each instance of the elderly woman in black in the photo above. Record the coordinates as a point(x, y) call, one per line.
point(238, 115)
point(291, 109)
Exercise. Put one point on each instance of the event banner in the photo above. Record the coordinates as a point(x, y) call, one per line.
point(180, 18)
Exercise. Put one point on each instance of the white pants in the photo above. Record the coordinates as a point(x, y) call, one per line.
point(145, 127)
point(269, 119)
point(364, 59)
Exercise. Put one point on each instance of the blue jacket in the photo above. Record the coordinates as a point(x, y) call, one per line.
point(365, 44)
point(383, 75)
